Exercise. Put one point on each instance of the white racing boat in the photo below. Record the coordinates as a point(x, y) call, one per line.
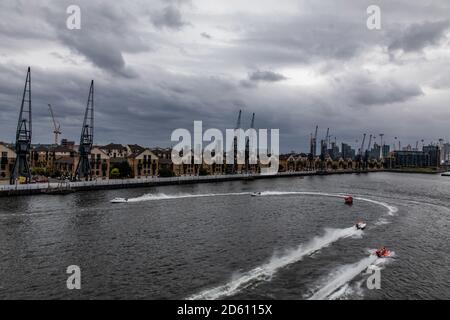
point(119, 200)
point(360, 225)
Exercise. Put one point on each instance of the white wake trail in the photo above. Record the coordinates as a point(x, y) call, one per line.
point(162, 196)
point(266, 271)
point(336, 284)
point(391, 209)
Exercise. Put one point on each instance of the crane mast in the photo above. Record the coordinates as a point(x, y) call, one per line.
point(87, 138)
point(21, 167)
point(57, 126)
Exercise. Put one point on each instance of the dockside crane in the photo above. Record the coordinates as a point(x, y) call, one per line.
point(21, 167)
point(56, 125)
point(83, 170)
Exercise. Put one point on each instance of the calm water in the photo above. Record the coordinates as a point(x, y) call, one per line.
point(296, 241)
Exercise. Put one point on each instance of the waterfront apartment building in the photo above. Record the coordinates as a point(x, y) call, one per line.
point(434, 154)
point(143, 161)
point(7, 159)
point(100, 163)
point(428, 157)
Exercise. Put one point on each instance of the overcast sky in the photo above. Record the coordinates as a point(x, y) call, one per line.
point(160, 65)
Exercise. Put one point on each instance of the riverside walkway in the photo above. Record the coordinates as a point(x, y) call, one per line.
point(68, 187)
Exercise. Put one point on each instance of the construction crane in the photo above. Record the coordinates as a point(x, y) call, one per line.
point(56, 125)
point(87, 138)
point(238, 124)
point(362, 145)
point(21, 167)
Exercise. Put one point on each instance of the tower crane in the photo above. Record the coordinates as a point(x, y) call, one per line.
point(56, 125)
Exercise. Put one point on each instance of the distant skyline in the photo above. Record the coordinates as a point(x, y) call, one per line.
point(159, 65)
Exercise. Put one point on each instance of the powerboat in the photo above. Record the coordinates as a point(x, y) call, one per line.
point(119, 200)
point(360, 225)
point(348, 200)
point(256, 194)
point(383, 253)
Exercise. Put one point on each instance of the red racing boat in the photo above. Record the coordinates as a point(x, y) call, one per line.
point(383, 253)
point(348, 200)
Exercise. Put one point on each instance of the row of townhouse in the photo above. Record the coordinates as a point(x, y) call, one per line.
point(303, 162)
point(62, 161)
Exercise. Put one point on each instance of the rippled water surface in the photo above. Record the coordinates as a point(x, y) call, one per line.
point(211, 241)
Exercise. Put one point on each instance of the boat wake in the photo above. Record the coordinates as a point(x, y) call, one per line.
point(162, 196)
point(391, 209)
point(266, 271)
point(336, 284)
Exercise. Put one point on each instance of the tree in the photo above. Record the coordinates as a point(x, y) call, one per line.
point(124, 170)
point(203, 172)
point(115, 173)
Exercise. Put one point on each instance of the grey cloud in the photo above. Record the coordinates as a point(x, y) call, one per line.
point(206, 35)
point(265, 76)
point(420, 35)
point(169, 17)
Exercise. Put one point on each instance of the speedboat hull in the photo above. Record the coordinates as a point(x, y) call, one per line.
point(360, 226)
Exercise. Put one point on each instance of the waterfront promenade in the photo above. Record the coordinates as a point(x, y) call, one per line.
point(65, 187)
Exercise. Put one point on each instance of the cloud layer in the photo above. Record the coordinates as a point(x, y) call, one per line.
point(160, 65)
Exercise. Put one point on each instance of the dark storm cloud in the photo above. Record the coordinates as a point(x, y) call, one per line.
point(153, 75)
point(419, 35)
point(107, 32)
